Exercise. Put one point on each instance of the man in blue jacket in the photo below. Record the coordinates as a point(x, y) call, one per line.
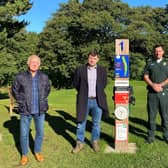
point(31, 89)
point(90, 81)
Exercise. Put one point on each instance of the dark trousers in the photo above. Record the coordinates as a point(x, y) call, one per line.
point(157, 102)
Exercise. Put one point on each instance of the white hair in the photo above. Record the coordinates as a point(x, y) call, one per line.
point(33, 56)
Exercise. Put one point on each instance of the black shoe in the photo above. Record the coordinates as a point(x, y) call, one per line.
point(150, 140)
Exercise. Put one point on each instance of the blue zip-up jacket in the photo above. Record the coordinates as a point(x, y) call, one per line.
point(21, 90)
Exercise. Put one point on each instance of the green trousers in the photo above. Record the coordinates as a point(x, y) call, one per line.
point(157, 102)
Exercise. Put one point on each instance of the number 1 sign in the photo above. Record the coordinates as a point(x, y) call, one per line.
point(122, 47)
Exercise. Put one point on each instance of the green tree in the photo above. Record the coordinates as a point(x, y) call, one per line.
point(22, 45)
point(76, 28)
point(57, 48)
point(9, 27)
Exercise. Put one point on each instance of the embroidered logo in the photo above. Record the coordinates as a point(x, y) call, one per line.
point(164, 63)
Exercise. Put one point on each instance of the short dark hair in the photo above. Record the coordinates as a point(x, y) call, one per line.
point(93, 53)
point(158, 45)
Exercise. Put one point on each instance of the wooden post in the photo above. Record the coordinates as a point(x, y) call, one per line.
point(12, 101)
point(121, 94)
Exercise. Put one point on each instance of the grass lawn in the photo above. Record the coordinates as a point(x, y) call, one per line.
point(60, 136)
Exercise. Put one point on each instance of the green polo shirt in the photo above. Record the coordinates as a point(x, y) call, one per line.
point(158, 72)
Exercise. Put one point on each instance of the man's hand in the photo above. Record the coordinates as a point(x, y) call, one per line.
point(157, 87)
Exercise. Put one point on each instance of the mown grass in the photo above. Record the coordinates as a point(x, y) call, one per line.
point(60, 136)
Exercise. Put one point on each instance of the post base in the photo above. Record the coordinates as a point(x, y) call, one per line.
point(132, 148)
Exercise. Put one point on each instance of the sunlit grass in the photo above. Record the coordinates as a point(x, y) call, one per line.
point(60, 127)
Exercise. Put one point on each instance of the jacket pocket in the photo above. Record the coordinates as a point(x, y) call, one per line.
point(22, 107)
point(43, 106)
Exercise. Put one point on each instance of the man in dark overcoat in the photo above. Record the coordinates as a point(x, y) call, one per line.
point(90, 81)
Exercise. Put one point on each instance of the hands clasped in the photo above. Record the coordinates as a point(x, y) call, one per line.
point(157, 87)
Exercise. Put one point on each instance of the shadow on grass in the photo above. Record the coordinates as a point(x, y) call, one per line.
point(135, 130)
point(108, 138)
point(4, 96)
point(61, 126)
point(140, 132)
point(15, 109)
point(110, 120)
point(13, 125)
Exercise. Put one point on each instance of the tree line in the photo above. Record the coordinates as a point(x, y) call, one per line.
point(75, 29)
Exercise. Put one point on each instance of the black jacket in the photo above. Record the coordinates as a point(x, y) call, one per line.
point(81, 85)
point(22, 91)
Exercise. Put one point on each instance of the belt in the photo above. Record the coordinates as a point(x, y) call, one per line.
point(91, 97)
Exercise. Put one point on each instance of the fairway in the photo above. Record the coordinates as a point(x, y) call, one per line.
point(59, 138)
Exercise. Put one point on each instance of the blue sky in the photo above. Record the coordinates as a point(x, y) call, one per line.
point(42, 10)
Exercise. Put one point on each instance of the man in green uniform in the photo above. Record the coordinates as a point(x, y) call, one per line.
point(156, 77)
